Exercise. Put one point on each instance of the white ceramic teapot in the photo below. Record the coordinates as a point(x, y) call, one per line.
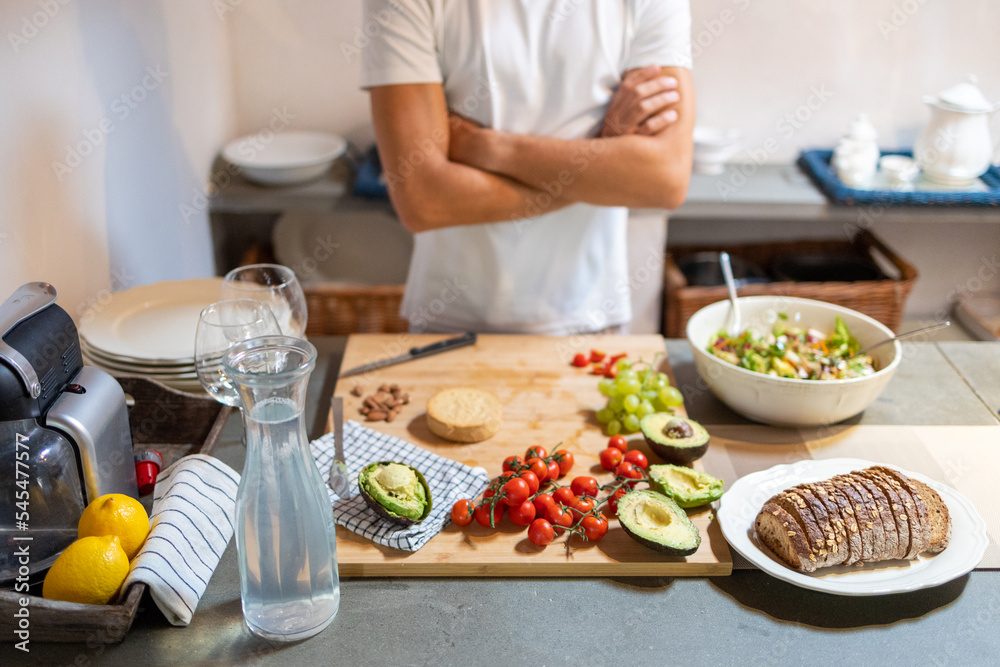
point(955, 148)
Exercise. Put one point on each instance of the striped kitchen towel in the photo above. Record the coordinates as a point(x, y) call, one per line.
point(448, 480)
point(194, 510)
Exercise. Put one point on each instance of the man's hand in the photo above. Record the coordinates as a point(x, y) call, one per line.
point(643, 104)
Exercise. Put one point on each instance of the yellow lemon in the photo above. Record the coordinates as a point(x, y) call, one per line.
point(116, 514)
point(91, 570)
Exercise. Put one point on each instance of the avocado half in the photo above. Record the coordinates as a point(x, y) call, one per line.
point(656, 521)
point(688, 488)
point(674, 439)
point(395, 491)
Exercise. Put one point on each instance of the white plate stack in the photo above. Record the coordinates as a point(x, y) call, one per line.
point(150, 331)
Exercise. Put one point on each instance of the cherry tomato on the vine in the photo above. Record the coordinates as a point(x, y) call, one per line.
point(628, 470)
point(532, 480)
point(564, 495)
point(553, 470)
point(540, 468)
point(560, 516)
point(594, 527)
point(611, 457)
point(515, 491)
point(618, 442)
point(543, 501)
point(513, 463)
point(583, 504)
point(540, 532)
point(483, 514)
point(584, 486)
point(564, 459)
point(580, 360)
point(523, 514)
point(462, 512)
point(637, 458)
point(536, 452)
point(615, 497)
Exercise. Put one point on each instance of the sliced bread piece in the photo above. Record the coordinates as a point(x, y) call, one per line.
point(833, 555)
point(799, 510)
point(782, 535)
point(885, 513)
point(866, 533)
point(841, 546)
point(852, 534)
point(871, 517)
point(940, 517)
point(896, 509)
point(906, 512)
point(919, 507)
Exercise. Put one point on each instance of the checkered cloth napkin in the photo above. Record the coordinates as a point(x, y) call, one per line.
point(449, 481)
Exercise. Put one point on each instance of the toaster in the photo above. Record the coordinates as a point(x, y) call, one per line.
point(64, 432)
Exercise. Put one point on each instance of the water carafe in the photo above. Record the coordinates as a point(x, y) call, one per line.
point(284, 525)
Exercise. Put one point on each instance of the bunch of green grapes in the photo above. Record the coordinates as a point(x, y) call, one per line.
point(632, 395)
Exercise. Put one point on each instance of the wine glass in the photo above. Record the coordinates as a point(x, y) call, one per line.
point(274, 285)
point(220, 326)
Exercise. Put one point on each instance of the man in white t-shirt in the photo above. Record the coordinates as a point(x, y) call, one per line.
point(513, 135)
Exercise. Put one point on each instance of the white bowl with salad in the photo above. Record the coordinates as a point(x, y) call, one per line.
point(794, 363)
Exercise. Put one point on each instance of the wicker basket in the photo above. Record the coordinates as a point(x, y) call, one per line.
point(881, 299)
point(338, 310)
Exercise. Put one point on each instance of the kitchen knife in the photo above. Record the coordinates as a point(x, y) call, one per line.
point(414, 353)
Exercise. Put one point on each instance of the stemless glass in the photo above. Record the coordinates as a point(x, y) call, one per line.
point(221, 326)
point(274, 285)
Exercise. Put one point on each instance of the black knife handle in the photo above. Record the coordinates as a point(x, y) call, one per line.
point(441, 345)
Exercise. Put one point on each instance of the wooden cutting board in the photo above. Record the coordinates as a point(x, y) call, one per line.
point(546, 402)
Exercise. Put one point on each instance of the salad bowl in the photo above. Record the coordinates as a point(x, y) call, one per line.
point(782, 401)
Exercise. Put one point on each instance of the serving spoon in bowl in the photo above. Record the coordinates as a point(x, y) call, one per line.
point(727, 273)
point(907, 334)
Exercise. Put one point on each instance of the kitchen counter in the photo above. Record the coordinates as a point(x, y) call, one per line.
point(747, 617)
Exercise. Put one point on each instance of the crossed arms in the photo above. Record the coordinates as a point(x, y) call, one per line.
point(443, 170)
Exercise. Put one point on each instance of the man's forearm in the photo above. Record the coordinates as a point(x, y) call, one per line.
point(439, 193)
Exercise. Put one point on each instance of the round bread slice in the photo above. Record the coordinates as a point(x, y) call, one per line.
point(837, 532)
point(841, 523)
point(920, 507)
point(831, 553)
point(896, 508)
point(783, 536)
point(940, 517)
point(464, 414)
point(798, 509)
point(868, 517)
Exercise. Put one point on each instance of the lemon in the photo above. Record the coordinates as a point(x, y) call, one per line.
point(119, 515)
point(91, 570)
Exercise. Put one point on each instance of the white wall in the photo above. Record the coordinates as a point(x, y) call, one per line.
point(111, 115)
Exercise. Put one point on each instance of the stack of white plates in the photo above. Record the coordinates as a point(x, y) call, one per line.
point(150, 330)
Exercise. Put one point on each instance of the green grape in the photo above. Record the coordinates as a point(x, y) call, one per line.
point(623, 364)
point(644, 375)
point(626, 375)
point(605, 415)
point(606, 387)
point(661, 381)
point(614, 427)
point(660, 406)
point(631, 403)
point(645, 408)
point(616, 403)
point(671, 397)
point(630, 424)
point(628, 387)
point(650, 394)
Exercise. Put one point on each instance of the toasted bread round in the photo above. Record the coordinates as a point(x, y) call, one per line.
point(464, 414)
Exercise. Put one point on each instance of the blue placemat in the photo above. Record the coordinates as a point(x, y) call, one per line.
point(816, 164)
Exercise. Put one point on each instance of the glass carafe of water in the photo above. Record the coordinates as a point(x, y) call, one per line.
point(284, 525)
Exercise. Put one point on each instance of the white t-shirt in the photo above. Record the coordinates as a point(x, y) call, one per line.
point(536, 67)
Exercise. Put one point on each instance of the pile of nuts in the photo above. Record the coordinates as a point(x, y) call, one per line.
point(384, 404)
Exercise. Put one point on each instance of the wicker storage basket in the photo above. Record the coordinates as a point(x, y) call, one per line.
point(881, 299)
point(338, 310)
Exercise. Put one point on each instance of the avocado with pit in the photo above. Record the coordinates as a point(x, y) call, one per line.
point(656, 521)
point(674, 439)
point(688, 488)
point(395, 491)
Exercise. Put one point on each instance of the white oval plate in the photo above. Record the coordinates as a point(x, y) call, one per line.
point(739, 507)
point(154, 322)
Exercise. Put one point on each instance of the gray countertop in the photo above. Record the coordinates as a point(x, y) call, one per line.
point(747, 617)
